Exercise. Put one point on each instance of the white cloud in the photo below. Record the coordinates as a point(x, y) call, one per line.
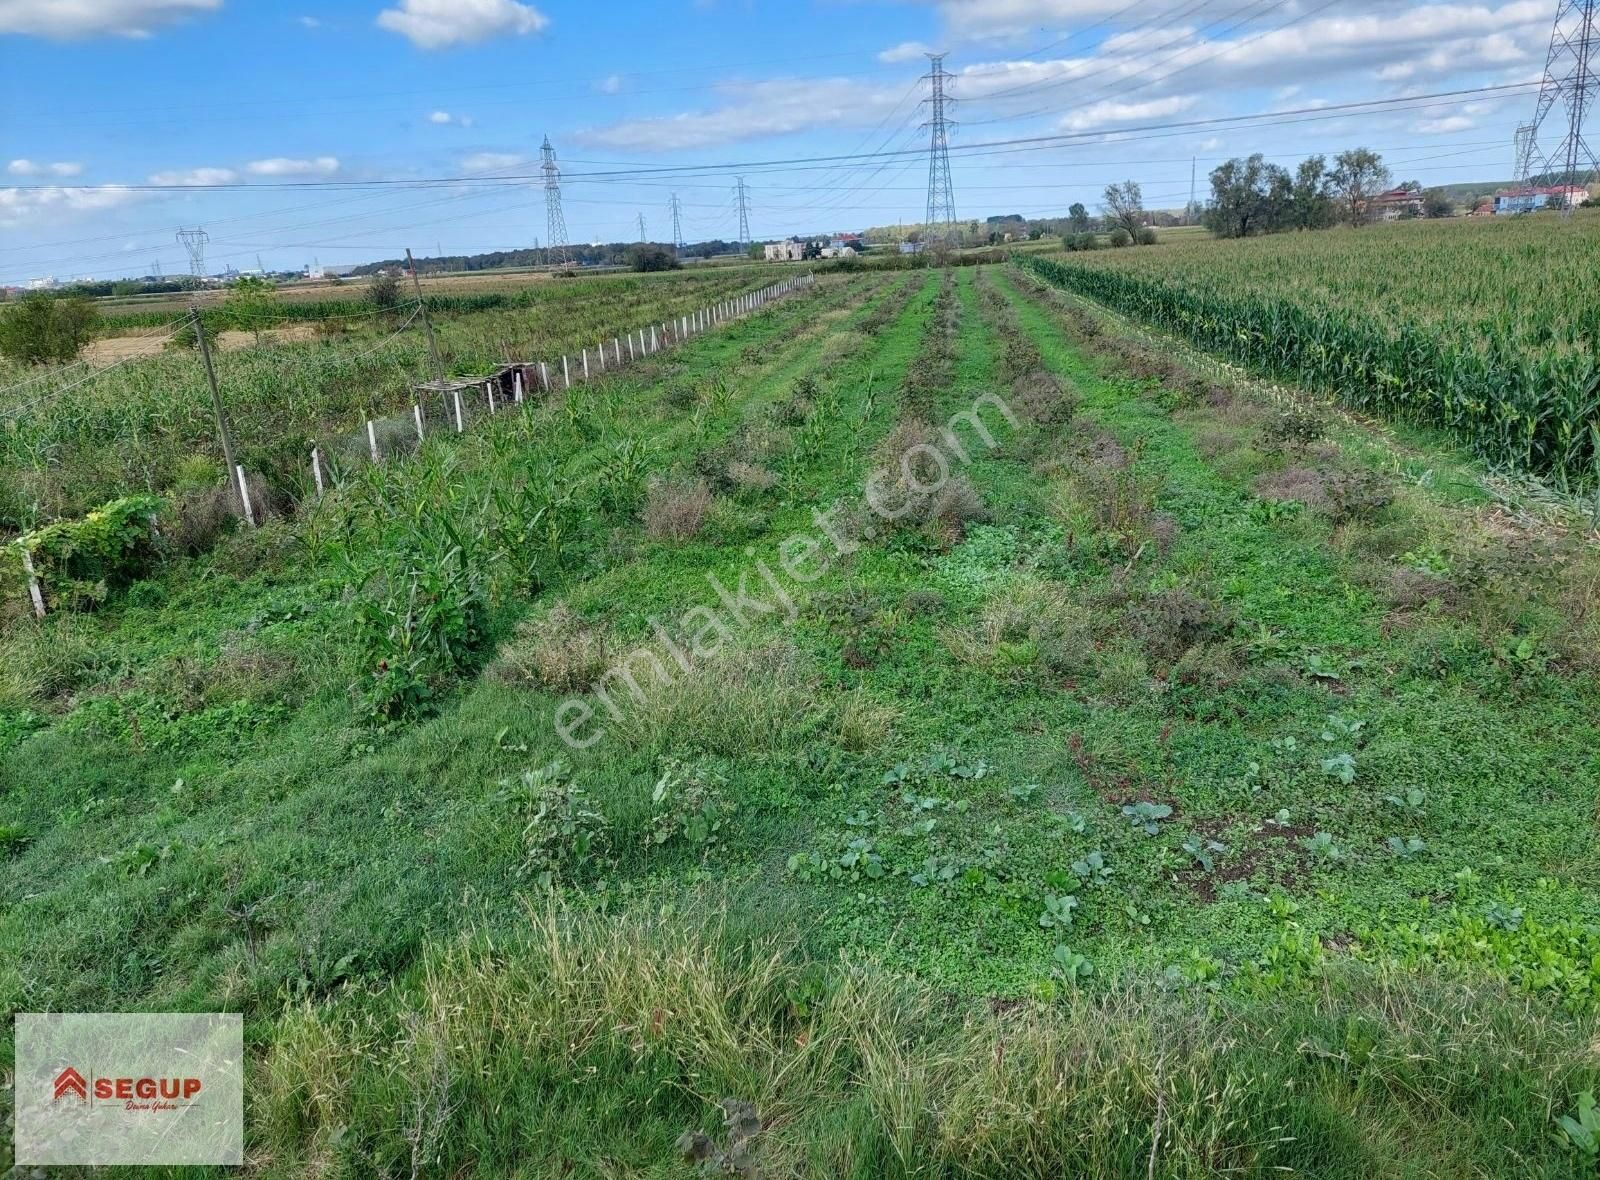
point(309, 22)
point(1210, 144)
point(1111, 114)
point(754, 110)
point(446, 119)
point(439, 24)
point(35, 168)
point(18, 205)
point(610, 84)
point(491, 161)
point(194, 176)
point(72, 19)
point(1445, 125)
point(905, 51)
point(284, 166)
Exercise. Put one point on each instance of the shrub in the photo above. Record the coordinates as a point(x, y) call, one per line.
point(1032, 625)
point(676, 511)
point(1120, 238)
point(1292, 429)
point(80, 562)
point(197, 517)
point(41, 327)
point(689, 804)
point(383, 291)
point(1042, 397)
point(563, 834)
point(647, 256)
point(751, 477)
point(1170, 622)
point(559, 651)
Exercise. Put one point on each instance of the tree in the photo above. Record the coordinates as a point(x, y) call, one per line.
point(1436, 204)
point(648, 256)
point(383, 292)
point(40, 327)
point(1124, 207)
point(1244, 194)
point(251, 301)
point(1358, 175)
point(1310, 202)
point(1078, 218)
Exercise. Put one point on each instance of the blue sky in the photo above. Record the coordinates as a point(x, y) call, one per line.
point(98, 96)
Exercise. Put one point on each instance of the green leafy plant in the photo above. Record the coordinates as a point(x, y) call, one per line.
point(689, 803)
point(742, 1131)
point(1322, 845)
point(1068, 965)
point(1146, 816)
point(1092, 868)
point(563, 834)
point(80, 562)
point(1405, 848)
point(1341, 767)
point(1410, 801)
point(1203, 851)
point(1058, 910)
point(1581, 1129)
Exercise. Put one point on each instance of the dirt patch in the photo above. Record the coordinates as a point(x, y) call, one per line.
point(232, 340)
point(111, 349)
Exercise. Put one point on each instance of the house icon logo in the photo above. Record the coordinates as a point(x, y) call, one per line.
point(70, 1084)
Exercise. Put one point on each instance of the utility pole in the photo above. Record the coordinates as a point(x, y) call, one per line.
point(941, 211)
point(1570, 79)
point(555, 223)
point(427, 324)
point(224, 429)
point(743, 193)
point(677, 223)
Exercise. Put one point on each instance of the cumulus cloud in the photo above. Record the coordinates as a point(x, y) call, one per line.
point(754, 110)
point(309, 22)
point(439, 24)
point(194, 176)
point(491, 161)
point(610, 84)
point(447, 119)
point(19, 205)
point(67, 20)
point(284, 166)
point(1112, 114)
point(35, 168)
point(905, 51)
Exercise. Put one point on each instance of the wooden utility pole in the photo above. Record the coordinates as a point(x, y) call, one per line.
point(224, 430)
point(433, 347)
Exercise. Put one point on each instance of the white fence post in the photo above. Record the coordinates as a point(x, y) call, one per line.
point(544, 376)
point(516, 386)
point(416, 414)
point(316, 470)
point(460, 417)
point(653, 345)
point(372, 441)
point(488, 389)
point(586, 364)
point(244, 495)
point(631, 357)
point(34, 592)
point(602, 351)
point(566, 376)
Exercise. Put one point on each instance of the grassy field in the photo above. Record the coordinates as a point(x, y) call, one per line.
point(1484, 327)
point(1170, 777)
point(67, 446)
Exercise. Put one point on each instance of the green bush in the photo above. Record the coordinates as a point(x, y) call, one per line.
point(79, 562)
point(41, 328)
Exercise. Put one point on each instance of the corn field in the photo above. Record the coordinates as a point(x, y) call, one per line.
point(1486, 329)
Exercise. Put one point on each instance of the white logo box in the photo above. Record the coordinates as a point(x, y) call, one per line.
point(129, 1088)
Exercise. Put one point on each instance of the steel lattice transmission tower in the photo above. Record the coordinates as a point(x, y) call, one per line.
point(941, 214)
point(642, 234)
point(555, 223)
point(194, 242)
point(677, 220)
point(742, 191)
point(1570, 82)
point(1523, 146)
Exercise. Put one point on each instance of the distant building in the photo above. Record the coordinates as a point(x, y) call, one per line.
point(783, 251)
point(1396, 203)
point(47, 283)
point(911, 247)
point(838, 251)
point(1527, 198)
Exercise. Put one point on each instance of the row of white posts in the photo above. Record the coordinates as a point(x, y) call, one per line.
point(639, 343)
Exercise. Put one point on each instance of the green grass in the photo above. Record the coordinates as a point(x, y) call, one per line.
point(848, 911)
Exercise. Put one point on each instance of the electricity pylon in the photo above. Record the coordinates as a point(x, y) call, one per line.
point(941, 213)
point(555, 223)
point(744, 211)
point(194, 242)
point(1570, 82)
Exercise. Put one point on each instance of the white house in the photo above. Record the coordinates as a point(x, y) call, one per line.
point(783, 251)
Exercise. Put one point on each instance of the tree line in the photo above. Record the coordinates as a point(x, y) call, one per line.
point(1251, 196)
